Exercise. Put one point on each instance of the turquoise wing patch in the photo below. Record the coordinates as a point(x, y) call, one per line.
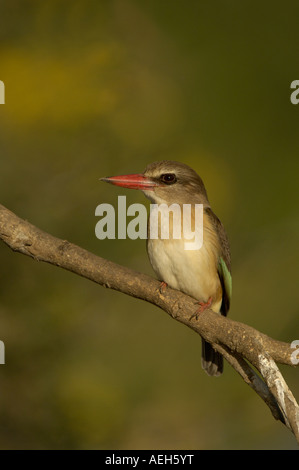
point(226, 276)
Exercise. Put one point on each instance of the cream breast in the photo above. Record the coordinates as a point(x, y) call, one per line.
point(191, 271)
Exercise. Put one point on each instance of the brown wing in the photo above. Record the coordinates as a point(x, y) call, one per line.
point(224, 262)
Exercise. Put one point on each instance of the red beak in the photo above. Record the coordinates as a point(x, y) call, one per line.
point(138, 181)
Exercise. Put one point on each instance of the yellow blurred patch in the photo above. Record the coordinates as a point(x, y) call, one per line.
point(59, 88)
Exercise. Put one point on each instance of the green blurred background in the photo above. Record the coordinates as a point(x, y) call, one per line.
point(96, 88)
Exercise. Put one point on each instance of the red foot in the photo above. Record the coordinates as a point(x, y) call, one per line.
point(162, 287)
point(202, 307)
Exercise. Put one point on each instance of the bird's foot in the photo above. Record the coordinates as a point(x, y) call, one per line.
point(162, 287)
point(202, 307)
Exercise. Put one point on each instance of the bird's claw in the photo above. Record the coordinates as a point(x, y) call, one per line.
point(202, 307)
point(162, 287)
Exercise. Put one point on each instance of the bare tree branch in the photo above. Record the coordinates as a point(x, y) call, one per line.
point(281, 392)
point(241, 345)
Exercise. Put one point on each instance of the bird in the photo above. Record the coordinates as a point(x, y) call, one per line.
point(204, 273)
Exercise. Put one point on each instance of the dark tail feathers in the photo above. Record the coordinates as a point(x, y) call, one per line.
point(211, 360)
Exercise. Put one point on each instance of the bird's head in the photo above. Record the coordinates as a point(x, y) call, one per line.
point(165, 182)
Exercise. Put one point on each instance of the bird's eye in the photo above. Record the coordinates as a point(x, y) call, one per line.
point(168, 178)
